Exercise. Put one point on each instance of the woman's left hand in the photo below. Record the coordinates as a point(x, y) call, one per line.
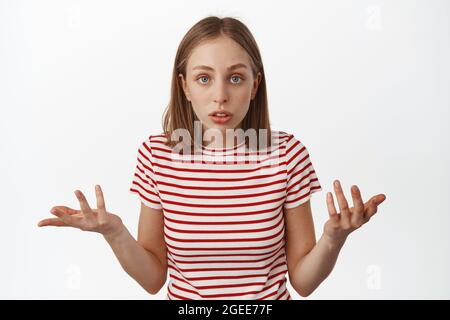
point(340, 225)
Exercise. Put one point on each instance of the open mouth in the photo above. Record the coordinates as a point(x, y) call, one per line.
point(220, 117)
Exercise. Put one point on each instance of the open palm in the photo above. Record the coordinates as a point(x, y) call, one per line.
point(86, 219)
point(340, 225)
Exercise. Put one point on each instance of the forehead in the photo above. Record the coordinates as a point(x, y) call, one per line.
point(218, 53)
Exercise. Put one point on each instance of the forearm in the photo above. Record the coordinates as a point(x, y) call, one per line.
point(139, 263)
point(315, 266)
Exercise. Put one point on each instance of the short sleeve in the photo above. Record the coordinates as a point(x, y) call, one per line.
point(144, 182)
point(302, 180)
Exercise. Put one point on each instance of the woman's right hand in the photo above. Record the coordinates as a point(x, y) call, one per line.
point(86, 219)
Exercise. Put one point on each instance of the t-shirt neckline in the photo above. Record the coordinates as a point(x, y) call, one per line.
point(224, 149)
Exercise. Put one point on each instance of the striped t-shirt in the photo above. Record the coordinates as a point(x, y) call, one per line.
point(223, 214)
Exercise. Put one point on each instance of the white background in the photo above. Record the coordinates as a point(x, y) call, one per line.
point(363, 84)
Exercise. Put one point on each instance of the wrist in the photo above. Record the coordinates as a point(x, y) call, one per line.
point(115, 233)
point(334, 242)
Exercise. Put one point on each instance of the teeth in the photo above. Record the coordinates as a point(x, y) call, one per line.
point(220, 114)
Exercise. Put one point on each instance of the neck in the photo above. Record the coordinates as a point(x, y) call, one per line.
point(221, 141)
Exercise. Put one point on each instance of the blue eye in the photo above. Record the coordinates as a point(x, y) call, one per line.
point(202, 78)
point(236, 77)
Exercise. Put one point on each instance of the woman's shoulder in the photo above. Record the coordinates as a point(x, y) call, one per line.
point(284, 137)
point(291, 144)
point(281, 135)
point(157, 138)
point(154, 142)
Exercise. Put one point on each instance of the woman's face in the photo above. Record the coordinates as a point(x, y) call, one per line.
point(212, 84)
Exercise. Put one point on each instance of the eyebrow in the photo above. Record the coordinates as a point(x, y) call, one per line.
point(234, 66)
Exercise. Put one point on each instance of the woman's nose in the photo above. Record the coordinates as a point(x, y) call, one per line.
point(220, 93)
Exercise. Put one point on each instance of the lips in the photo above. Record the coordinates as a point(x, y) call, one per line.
point(220, 117)
point(220, 113)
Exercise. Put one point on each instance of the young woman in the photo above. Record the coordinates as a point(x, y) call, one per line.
point(228, 219)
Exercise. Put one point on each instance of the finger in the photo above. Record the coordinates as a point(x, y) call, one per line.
point(100, 203)
point(84, 205)
point(66, 210)
point(372, 205)
point(343, 204)
point(70, 220)
point(54, 222)
point(331, 208)
point(357, 217)
point(70, 211)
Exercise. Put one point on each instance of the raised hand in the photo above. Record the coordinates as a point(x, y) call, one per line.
point(86, 219)
point(341, 224)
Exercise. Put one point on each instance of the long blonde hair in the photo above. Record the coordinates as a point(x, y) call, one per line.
point(179, 113)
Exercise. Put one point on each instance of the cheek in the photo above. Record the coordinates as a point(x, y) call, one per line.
point(243, 96)
point(246, 95)
point(198, 94)
point(244, 110)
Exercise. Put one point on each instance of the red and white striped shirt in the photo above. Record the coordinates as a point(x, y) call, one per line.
point(223, 217)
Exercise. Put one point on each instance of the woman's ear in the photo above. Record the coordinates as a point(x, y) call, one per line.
point(256, 84)
point(184, 86)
